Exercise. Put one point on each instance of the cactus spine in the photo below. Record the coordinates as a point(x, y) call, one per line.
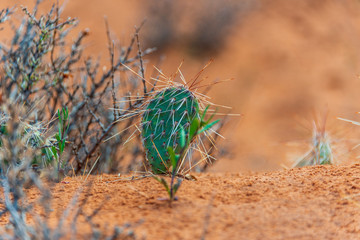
point(166, 113)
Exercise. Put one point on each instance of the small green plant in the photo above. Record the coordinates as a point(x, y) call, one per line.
point(58, 148)
point(321, 152)
point(178, 154)
point(35, 135)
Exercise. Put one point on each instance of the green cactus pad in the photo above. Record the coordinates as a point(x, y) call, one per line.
point(166, 113)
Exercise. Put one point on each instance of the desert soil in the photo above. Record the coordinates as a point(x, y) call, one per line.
point(320, 202)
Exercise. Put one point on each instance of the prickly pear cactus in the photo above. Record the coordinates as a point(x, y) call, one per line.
point(166, 113)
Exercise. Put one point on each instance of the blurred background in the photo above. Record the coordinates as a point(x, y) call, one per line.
point(290, 60)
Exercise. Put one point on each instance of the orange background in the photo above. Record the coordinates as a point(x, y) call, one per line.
point(289, 60)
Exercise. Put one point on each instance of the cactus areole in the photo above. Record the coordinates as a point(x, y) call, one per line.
point(165, 114)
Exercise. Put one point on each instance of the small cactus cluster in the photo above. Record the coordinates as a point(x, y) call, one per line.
point(321, 151)
point(32, 136)
point(169, 111)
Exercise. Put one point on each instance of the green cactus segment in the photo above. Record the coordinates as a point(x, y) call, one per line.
point(166, 113)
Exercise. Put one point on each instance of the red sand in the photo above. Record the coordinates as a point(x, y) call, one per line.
point(310, 203)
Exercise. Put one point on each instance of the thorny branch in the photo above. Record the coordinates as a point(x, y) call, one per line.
point(39, 62)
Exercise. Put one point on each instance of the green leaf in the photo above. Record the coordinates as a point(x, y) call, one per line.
point(64, 113)
point(60, 131)
point(194, 127)
point(208, 126)
point(165, 185)
point(54, 152)
point(58, 138)
point(62, 146)
point(197, 109)
point(177, 186)
point(211, 117)
point(204, 113)
point(172, 157)
point(156, 178)
point(182, 137)
point(59, 116)
point(163, 182)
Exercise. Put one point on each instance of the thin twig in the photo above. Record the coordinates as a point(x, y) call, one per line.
point(140, 56)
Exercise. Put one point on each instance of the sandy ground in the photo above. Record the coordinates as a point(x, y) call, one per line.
point(320, 202)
